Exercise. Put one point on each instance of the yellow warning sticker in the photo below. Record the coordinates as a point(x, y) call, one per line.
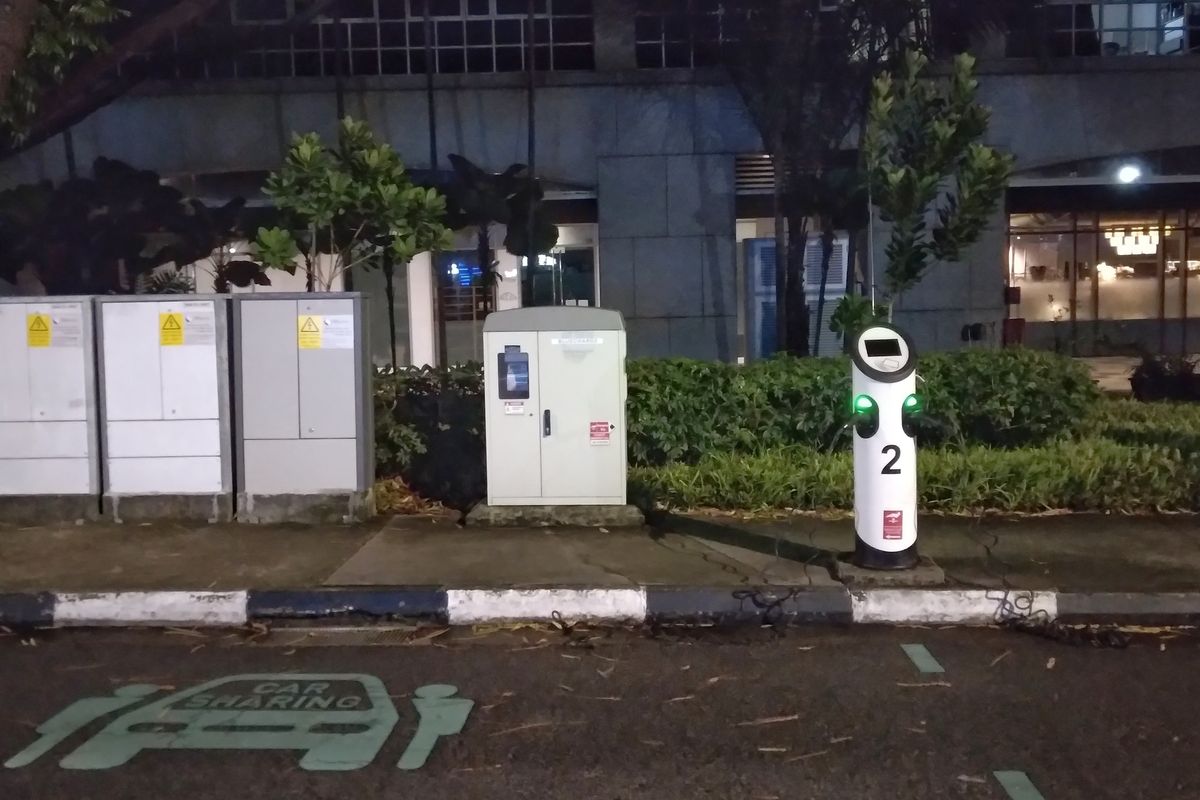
point(170, 328)
point(308, 331)
point(37, 330)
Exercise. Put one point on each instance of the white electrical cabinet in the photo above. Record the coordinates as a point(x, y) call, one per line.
point(554, 383)
point(47, 418)
point(164, 401)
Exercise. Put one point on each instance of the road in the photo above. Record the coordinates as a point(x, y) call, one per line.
point(813, 713)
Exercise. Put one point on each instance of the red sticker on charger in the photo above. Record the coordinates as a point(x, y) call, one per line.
point(893, 525)
point(601, 433)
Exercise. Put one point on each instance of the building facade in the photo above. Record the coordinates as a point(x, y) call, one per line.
point(656, 176)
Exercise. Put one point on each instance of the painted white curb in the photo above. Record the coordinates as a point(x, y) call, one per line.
point(472, 606)
point(151, 608)
point(947, 606)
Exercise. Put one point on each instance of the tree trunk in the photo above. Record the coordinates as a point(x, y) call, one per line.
point(797, 309)
point(826, 257)
point(16, 27)
point(389, 291)
point(781, 248)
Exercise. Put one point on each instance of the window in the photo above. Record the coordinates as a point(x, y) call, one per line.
point(387, 37)
point(680, 33)
point(1120, 27)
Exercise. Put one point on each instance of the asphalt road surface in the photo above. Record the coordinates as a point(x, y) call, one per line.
point(813, 713)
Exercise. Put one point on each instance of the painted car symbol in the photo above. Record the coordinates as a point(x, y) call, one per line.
point(340, 720)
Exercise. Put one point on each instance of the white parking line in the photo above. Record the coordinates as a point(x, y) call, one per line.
point(1017, 785)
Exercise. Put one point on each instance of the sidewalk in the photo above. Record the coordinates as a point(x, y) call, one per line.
point(686, 569)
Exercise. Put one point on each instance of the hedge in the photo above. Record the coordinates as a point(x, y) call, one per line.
point(680, 410)
point(1090, 474)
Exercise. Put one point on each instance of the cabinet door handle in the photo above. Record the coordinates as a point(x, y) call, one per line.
point(546, 422)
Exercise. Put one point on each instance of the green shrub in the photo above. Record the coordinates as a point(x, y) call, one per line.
point(429, 430)
point(680, 410)
point(1166, 424)
point(1082, 475)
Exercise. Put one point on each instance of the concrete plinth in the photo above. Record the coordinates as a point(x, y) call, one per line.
point(925, 573)
point(177, 507)
point(47, 509)
point(311, 509)
point(568, 516)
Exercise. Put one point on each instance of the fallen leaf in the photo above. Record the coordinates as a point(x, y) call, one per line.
point(841, 739)
point(573, 658)
point(604, 673)
point(971, 779)
point(428, 637)
point(652, 742)
point(565, 688)
point(767, 721)
point(607, 698)
point(680, 699)
point(196, 649)
point(185, 632)
point(1000, 658)
point(1050, 664)
point(1162, 647)
point(807, 647)
point(805, 756)
point(685, 667)
point(917, 730)
point(528, 726)
point(772, 749)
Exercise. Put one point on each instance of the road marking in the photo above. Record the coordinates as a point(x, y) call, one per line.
point(922, 658)
point(1017, 785)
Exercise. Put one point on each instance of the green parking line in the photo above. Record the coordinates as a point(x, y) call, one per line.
point(1017, 785)
point(921, 656)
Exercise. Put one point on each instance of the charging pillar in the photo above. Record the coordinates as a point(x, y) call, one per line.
point(885, 404)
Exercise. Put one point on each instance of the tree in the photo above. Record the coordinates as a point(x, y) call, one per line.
point(804, 70)
point(925, 160)
point(98, 234)
point(86, 52)
point(347, 206)
point(38, 41)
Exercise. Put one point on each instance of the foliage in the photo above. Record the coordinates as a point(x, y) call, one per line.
point(429, 430)
point(350, 202)
point(170, 281)
point(1166, 378)
point(1090, 474)
point(853, 313)
point(1163, 424)
point(96, 235)
point(478, 198)
point(923, 156)
point(680, 410)
point(62, 31)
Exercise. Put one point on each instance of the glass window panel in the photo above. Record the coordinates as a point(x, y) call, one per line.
point(260, 10)
point(509, 59)
point(1128, 270)
point(220, 67)
point(648, 29)
point(1085, 286)
point(451, 61)
point(1115, 43)
point(1040, 221)
point(392, 9)
point(578, 56)
point(479, 32)
point(445, 8)
point(191, 67)
point(479, 59)
point(675, 29)
point(393, 62)
point(365, 63)
point(449, 34)
point(541, 58)
point(416, 61)
point(250, 65)
point(479, 8)
point(508, 31)
point(416, 34)
point(1040, 265)
point(677, 54)
point(706, 54)
point(582, 7)
point(363, 35)
point(328, 61)
point(1176, 271)
point(393, 34)
point(573, 29)
point(541, 30)
point(307, 37)
point(1114, 15)
point(278, 65)
point(649, 56)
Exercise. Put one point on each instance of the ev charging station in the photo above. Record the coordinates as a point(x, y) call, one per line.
point(885, 405)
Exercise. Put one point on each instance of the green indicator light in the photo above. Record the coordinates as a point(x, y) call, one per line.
point(912, 403)
point(863, 403)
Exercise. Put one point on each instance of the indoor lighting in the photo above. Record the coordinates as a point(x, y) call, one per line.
point(1129, 173)
point(1107, 272)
